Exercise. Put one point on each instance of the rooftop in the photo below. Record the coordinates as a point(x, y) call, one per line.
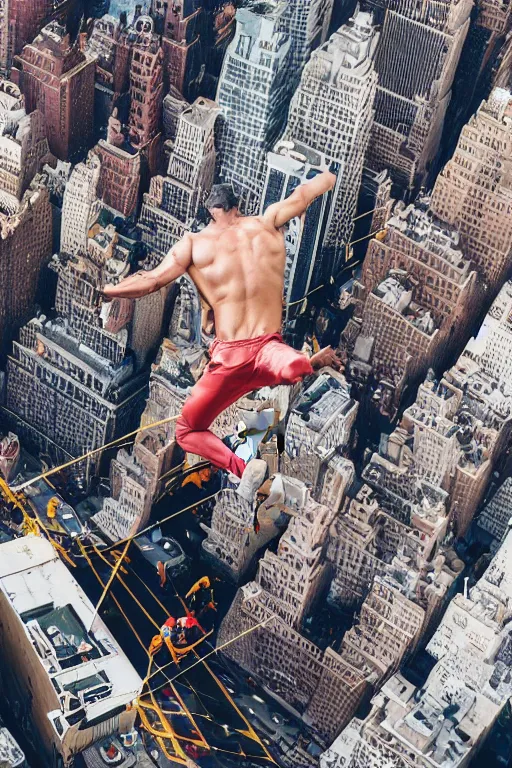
point(418, 225)
point(11, 755)
point(325, 399)
point(396, 292)
point(75, 648)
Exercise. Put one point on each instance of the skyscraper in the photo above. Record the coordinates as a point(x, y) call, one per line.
point(21, 20)
point(472, 192)
point(78, 380)
point(331, 112)
point(57, 78)
point(419, 292)
point(110, 45)
point(173, 201)
point(79, 207)
point(415, 85)
point(307, 23)
point(180, 26)
point(25, 245)
point(120, 170)
point(289, 165)
point(253, 95)
point(146, 84)
point(23, 144)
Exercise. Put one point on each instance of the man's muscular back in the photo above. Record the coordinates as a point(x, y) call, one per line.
point(236, 262)
point(239, 269)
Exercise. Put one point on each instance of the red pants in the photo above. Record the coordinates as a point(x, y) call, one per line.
point(236, 368)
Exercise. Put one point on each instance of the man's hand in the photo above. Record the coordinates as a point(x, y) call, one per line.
point(326, 358)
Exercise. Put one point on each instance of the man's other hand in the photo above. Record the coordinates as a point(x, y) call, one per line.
point(326, 358)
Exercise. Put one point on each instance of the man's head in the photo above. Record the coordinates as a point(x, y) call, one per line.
point(221, 200)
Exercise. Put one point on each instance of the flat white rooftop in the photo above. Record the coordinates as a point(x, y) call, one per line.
point(75, 648)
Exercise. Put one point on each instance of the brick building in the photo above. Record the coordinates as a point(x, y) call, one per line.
point(25, 245)
point(253, 93)
point(146, 84)
point(413, 302)
point(473, 191)
point(332, 112)
point(57, 78)
point(120, 171)
point(21, 21)
point(110, 45)
point(415, 88)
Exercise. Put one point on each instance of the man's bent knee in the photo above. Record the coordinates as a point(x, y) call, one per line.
point(296, 370)
point(183, 429)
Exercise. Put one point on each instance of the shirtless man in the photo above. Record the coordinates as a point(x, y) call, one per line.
point(237, 263)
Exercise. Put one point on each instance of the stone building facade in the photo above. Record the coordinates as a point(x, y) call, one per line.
point(76, 382)
point(415, 88)
point(413, 302)
point(367, 543)
point(332, 112)
point(57, 78)
point(173, 201)
point(324, 686)
point(319, 430)
point(472, 193)
point(23, 144)
point(307, 23)
point(25, 246)
point(288, 166)
point(454, 442)
point(253, 93)
point(444, 722)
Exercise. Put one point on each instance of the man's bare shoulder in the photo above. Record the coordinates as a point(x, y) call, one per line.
point(255, 223)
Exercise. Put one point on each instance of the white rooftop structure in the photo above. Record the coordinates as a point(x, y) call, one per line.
point(57, 636)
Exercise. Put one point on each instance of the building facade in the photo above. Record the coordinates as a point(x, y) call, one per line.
point(253, 94)
point(473, 191)
point(57, 78)
point(173, 201)
point(77, 381)
point(416, 295)
point(332, 112)
point(415, 88)
point(307, 23)
point(71, 678)
point(289, 165)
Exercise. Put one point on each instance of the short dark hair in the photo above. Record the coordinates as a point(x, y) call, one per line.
point(222, 196)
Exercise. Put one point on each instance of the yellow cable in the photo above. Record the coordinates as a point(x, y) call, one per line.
point(111, 579)
point(87, 455)
point(116, 601)
point(125, 585)
point(161, 522)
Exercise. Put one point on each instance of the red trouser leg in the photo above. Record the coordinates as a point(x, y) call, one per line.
point(213, 393)
point(260, 365)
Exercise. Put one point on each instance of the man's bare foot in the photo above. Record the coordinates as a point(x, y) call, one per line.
point(327, 357)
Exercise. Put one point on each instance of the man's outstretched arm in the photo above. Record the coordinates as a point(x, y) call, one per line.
point(175, 264)
point(279, 214)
